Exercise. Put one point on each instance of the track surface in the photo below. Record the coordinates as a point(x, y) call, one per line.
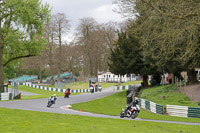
point(61, 105)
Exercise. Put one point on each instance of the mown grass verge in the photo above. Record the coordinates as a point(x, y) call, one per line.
point(83, 85)
point(19, 121)
point(42, 93)
point(166, 95)
point(130, 83)
point(113, 104)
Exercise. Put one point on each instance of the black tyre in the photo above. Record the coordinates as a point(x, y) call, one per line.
point(49, 104)
point(122, 114)
point(134, 115)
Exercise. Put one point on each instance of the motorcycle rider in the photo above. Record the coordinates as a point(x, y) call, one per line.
point(53, 98)
point(67, 92)
point(68, 89)
point(133, 103)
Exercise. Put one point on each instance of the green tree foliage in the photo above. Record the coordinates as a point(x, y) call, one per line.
point(127, 58)
point(21, 27)
point(169, 32)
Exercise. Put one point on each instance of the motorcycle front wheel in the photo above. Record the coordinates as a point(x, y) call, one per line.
point(122, 114)
point(134, 115)
point(49, 104)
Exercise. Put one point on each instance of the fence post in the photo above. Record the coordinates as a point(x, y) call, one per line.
point(164, 112)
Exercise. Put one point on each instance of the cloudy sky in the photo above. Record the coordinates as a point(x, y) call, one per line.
point(100, 10)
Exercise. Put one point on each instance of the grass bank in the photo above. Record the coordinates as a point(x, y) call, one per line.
point(19, 121)
point(166, 95)
point(130, 83)
point(113, 104)
point(41, 93)
point(83, 85)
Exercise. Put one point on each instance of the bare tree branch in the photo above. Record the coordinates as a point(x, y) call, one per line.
point(15, 58)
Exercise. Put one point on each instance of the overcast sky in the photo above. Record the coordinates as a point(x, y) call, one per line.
point(100, 10)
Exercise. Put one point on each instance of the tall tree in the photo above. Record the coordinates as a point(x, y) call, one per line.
point(50, 50)
point(169, 32)
point(85, 32)
point(62, 27)
point(127, 58)
point(21, 27)
point(96, 41)
point(36, 63)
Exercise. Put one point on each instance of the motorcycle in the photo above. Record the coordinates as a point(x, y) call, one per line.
point(91, 89)
point(131, 111)
point(67, 94)
point(51, 101)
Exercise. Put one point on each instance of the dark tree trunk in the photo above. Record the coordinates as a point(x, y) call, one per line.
point(145, 81)
point(1, 68)
point(192, 77)
point(1, 61)
point(60, 55)
point(52, 79)
point(40, 75)
point(52, 73)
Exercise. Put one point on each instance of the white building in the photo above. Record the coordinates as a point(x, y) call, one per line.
point(110, 77)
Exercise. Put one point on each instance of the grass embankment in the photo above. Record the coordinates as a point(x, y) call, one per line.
point(130, 83)
point(19, 121)
point(42, 93)
point(166, 95)
point(83, 85)
point(112, 105)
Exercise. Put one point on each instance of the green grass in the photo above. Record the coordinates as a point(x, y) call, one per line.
point(83, 85)
point(19, 121)
point(42, 93)
point(171, 94)
point(130, 83)
point(113, 104)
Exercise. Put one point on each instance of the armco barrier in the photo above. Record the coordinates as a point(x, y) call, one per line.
point(174, 110)
point(194, 112)
point(151, 106)
point(6, 96)
point(126, 87)
point(183, 111)
point(55, 89)
point(131, 93)
point(123, 87)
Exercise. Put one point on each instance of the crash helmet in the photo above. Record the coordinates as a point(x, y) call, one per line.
point(54, 95)
point(136, 100)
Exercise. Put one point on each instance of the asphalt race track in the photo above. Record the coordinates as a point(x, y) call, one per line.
point(62, 104)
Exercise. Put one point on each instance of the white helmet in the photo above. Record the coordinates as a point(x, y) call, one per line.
point(54, 94)
point(137, 100)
